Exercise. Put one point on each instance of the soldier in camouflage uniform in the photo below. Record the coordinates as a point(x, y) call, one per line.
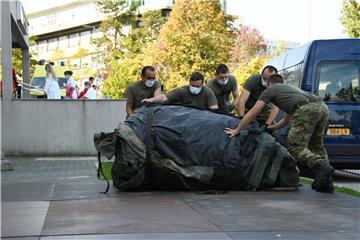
point(309, 116)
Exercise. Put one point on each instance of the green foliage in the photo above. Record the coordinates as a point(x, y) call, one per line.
point(244, 71)
point(280, 48)
point(121, 15)
point(17, 59)
point(123, 73)
point(195, 38)
point(350, 18)
point(248, 43)
point(145, 30)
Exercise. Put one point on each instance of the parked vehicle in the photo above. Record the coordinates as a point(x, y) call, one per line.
point(331, 70)
point(38, 80)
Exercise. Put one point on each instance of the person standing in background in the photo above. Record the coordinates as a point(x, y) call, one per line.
point(52, 88)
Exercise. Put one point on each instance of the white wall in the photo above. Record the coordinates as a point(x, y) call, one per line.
point(57, 127)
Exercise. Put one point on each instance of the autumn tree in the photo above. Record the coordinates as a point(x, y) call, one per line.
point(125, 70)
point(196, 37)
point(350, 18)
point(248, 43)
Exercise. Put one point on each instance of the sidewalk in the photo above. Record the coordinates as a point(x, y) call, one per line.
point(60, 199)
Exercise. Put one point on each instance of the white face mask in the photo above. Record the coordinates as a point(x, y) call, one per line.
point(194, 90)
point(149, 83)
point(223, 82)
point(264, 83)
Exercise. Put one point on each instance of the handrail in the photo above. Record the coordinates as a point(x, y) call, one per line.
point(31, 86)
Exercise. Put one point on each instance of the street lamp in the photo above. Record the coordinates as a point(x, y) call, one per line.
point(97, 58)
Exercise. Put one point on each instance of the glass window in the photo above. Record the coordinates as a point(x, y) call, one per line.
point(63, 42)
point(339, 81)
point(293, 75)
point(42, 46)
point(74, 40)
point(52, 44)
point(85, 39)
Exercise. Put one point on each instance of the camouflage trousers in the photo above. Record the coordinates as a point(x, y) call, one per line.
point(305, 137)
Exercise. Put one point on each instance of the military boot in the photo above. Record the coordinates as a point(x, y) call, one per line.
point(323, 172)
point(328, 187)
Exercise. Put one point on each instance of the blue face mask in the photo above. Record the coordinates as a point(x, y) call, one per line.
point(194, 90)
point(67, 76)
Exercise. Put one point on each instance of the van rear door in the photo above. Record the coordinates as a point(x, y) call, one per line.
point(338, 84)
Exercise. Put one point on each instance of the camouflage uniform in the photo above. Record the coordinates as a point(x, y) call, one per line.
point(305, 137)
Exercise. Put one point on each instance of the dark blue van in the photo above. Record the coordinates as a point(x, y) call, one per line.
point(331, 70)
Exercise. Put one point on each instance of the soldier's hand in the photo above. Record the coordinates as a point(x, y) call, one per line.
point(231, 132)
point(270, 129)
point(146, 100)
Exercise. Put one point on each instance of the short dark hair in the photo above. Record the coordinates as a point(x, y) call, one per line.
point(276, 78)
point(144, 69)
point(87, 83)
point(271, 69)
point(222, 68)
point(91, 78)
point(68, 72)
point(197, 76)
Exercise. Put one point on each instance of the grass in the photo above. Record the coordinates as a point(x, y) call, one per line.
point(108, 165)
point(337, 189)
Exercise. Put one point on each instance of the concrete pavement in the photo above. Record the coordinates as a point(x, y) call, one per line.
point(44, 199)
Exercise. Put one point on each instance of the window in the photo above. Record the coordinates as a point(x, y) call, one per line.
point(85, 39)
point(52, 44)
point(63, 42)
point(339, 81)
point(42, 46)
point(293, 75)
point(74, 40)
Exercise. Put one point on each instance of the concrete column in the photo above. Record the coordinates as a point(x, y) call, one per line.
point(6, 51)
point(26, 71)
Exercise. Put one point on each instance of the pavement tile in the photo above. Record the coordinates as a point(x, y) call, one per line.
point(34, 191)
point(300, 235)
point(147, 236)
point(23, 219)
point(21, 238)
point(131, 214)
point(273, 213)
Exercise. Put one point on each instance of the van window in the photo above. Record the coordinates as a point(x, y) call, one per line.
point(338, 81)
point(292, 75)
point(40, 82)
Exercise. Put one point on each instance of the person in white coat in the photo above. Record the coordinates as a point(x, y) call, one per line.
point(70, 86)
point(52, 88)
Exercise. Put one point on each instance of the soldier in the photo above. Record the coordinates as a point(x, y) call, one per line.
point(147, 87)
point(309, 116)
point(253, 88)
point(222, 85)
point(195, 94)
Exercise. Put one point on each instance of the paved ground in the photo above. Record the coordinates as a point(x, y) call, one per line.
point(60, 199)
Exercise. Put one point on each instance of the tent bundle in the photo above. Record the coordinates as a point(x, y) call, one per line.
point(169, 147)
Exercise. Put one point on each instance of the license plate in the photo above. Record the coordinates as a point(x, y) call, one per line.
point(338, 131)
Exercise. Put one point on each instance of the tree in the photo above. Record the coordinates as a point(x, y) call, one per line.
point(143, 32)
point(120, 16)
point(57, 55)
point(350, 18)
point(248, 42)
point(280, 48)
point(80, 54)
point(244, 71)
point(125, 70)
point(17, 59)
point(196, 37)
point(122, 75)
